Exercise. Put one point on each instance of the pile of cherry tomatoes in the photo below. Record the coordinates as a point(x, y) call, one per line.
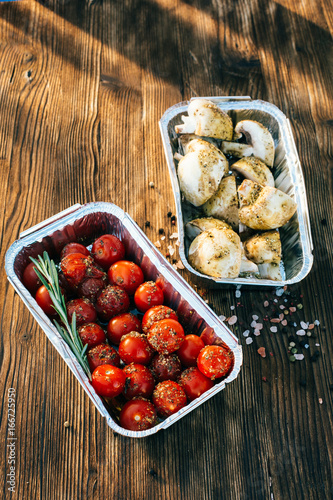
point(137, 348)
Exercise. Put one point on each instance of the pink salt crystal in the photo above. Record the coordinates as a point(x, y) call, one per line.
point(275, 320)
point(282, 307)
point(273, 329)
point(262, 352)
point(311, 326)
point(266, 303)
point(284, 322)
point(253, 324)
point(292, 309)
point(232, 320)
point(259, 326)
point(320, 401)
point(256, 332)
point(281, 316)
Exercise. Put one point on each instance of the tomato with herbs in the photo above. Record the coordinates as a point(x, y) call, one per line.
point(139, 381)
point(125, 274)
point(166, 336)
point(102, 354)
point(91, 334)
point(189, 350)
point(214, 361)
point(74, 248)
point(168, 397)
point(78, 267)
point(138, 415)
point(166, 367)
point(83, 309)
point(194, 383)
point(112, 301)
point(44, 301)
point(30, 278)
point(120, 325)
point(155, 314)
point(108, 381)
point(134, 348)
point(107, 249)
point(147, 295)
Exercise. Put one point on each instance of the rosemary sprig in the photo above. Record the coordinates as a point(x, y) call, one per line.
point(48, 274)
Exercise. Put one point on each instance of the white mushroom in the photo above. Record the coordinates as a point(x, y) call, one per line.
point(217, 253)
point(224, 203)
point(254, 169)
point(257, 137)
point(247, 266)
point(264, 207)
point(206, 119)
point(264, 248)
point(200, 171)
point(185, 139)
point(196, 226)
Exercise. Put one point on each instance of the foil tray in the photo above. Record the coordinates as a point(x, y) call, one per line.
point(295, 236)
point(84, 224)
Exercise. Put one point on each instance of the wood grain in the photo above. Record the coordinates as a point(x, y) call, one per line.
point(82, 88)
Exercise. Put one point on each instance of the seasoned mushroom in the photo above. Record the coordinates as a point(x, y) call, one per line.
point(265, 249)
point(200, 171)
point(254, 169)
point(264, 207)
point(257, 137)
point(247, 266)
point(217, 253)
point(206, 119)
point(224, 203)
point(196, 226)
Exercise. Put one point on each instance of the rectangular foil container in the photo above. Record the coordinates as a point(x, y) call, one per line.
point(84, 224)
point(295, 236)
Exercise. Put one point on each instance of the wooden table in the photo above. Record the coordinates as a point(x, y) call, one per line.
point(82, 88)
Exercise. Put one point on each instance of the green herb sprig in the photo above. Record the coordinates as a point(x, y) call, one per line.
point(48, 274)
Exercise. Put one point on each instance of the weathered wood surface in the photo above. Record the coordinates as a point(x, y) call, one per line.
point(82, 87)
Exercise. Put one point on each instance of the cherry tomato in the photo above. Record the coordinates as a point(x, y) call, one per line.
point(126, 275)
point(139, 381)
point(138, 415)
point(147, 295)
point(84, 311)
point(91, 334)
point(166, 367)
point(77, 267)
point(168, 397)
point(194, 383)
point(102, 354)
point(120, 325)
point(44, 301)
point(30, 278)
point(134, 348)
point(107, 249)
point(155, 314)
point(91, 288)
point(111, 302)
point(214, 361)
point(189, 350)
point(166, 336)
point(108, 381)
point(73, 248)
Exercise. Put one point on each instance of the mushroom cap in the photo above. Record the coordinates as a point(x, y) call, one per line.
point(264, 207)
point(259, 137)
point(217, 253)
point(237, 149)
point(196, 226)
point(254, 169)
point(207, 120)
point(264, 248)
point(224, 203)
point(200, 171)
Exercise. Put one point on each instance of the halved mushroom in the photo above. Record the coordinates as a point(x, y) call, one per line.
point(259, 140)
point(185, 139)
point(196, 226)
point(264, 207)
point(224, 203)
point(206, 119)
point(200, 171)
point(247, 266)
point(254, 169)
point(217, 253)
point(264, 248)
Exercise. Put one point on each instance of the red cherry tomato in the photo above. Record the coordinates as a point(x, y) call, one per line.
point(102, 354)
point(168, 397)
point(194, 383)
point(215, 362)
point(120, 325)
point(126, 275)
point(43, 299)
point(139, 381)
point(108, 381)
point(166, 367)
point(190, 349)
point(30, 278)
point(107, 249)
point(166, 336)
point(111, 302)
point(138, 415)
point(78, 267)
point(73, 248)
point(84, 311)
point(147, 295)
point(91, 288)
point(155, 314)
point(91, 334)
point(134, 348)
